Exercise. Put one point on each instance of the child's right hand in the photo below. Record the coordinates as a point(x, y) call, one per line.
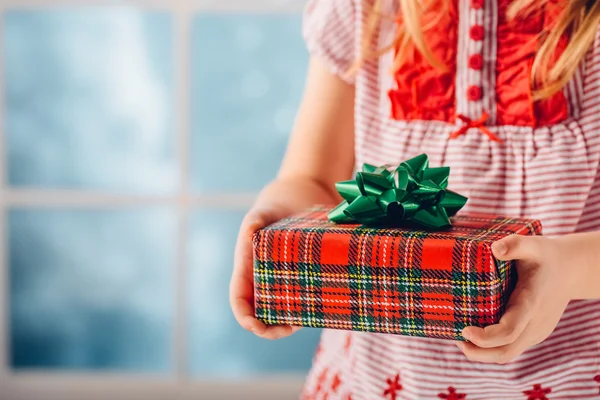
point(279, 200)
point(320, 153)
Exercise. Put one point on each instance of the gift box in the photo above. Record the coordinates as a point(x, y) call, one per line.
point(393, 257)
point(312, 272)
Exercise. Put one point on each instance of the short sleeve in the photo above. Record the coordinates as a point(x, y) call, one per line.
point(329, 29)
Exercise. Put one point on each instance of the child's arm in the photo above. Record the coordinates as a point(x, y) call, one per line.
point(551, 272)
point(584, 255)
point(320, 153)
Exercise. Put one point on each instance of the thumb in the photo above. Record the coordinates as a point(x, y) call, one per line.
point(257, 219)
point(516, 247)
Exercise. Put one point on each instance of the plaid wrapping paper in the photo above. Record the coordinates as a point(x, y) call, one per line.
point(311, 272)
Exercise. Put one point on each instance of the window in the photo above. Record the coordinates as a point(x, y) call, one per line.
point(134, 138)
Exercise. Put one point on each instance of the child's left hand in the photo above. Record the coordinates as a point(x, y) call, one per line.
point(543, 291)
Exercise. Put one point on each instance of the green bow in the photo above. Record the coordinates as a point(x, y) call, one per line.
point(413, 193)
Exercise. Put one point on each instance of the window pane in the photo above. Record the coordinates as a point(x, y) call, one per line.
point(220, 348)
point(91, 289)
point(248, 76)
point(89, 99)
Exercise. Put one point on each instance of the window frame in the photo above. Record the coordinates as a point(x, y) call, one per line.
point(179, 382)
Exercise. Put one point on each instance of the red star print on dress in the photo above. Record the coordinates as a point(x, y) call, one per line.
point(335, 384)
point(597, 379)
point(348, 343)
point(393, 388)
point(537, 393)
point(452, 395)
point(320, 381)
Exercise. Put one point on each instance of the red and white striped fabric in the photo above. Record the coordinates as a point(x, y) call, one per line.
point(546, 172)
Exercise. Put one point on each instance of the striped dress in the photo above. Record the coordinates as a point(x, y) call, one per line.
point(545, 166)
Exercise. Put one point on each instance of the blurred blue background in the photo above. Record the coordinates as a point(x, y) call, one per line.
point(241, 120)
point(91, 288)
point(89, 105)
point(89, 100)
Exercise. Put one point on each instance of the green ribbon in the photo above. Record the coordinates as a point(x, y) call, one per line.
point(412, 193)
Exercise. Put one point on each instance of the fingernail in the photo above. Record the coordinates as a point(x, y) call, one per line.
point(499, 248)
point(466, 335)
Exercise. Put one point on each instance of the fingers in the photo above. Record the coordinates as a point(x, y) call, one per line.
point(499, 344)
point(241, 288)
point(243, 311)
point(278, 332)
point(518, 314)
point(516, 247)
point(253, 221)
point(533, 310)
point(259, 218)
point(496, 355)
point(506, 340)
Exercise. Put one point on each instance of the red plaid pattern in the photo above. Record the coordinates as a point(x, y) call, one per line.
point(311, 272)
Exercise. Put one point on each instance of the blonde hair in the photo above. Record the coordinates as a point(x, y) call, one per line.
point(579, 19)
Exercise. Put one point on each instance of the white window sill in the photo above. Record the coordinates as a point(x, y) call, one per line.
point(88, 387)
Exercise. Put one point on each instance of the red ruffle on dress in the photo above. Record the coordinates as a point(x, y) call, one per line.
point(424, 92)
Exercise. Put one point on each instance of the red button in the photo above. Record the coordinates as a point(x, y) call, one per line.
point(476, 32)
point(476, 4)
point(474, 93)
point(476, 61)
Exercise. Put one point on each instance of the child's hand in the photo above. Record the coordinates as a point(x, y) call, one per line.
point(543, 291)
point(279, 200)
